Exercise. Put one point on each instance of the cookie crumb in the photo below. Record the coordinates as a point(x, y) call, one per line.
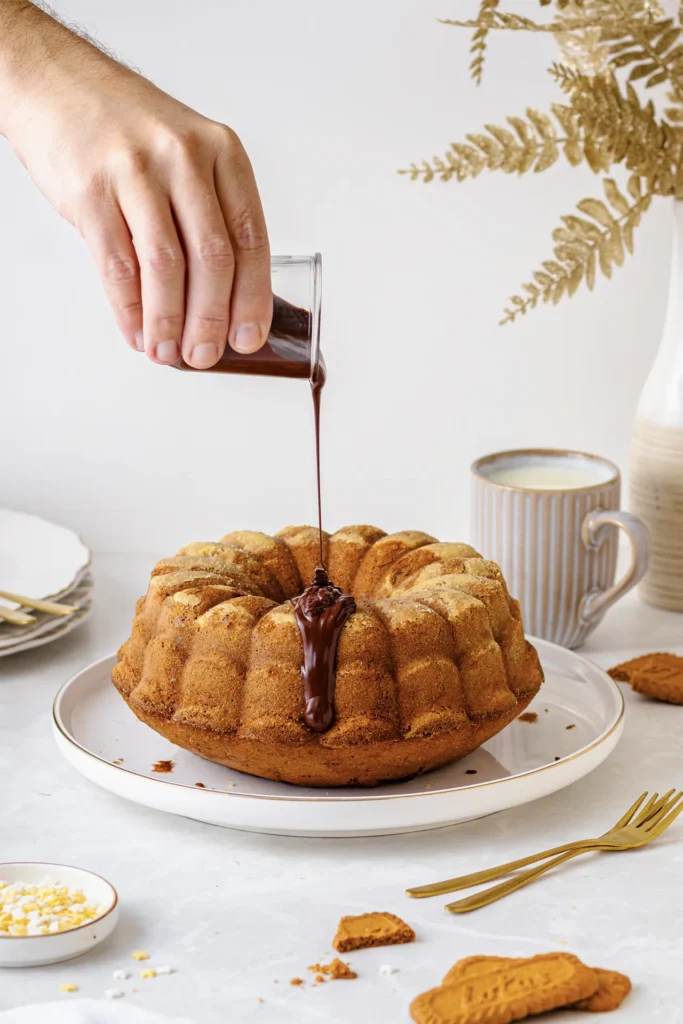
point(557, 758)
point(163, 767)
point(119, 760)
point(528, 716)
point(336, 970)
point(572, 726)
point(200, 785)
point(470, 771)
point(296, 981)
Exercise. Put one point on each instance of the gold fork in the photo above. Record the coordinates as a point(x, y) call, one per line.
point(478, 877)
point(649, 825)
point(653, 805)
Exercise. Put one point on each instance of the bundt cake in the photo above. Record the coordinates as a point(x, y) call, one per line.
point(431, 659)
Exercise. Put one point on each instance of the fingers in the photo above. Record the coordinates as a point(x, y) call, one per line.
point(162, 269)
point(186, 264)
point(251, 304)
point(109, 241)
point(210, 269)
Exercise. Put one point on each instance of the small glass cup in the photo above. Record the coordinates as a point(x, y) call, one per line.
point(293, 345)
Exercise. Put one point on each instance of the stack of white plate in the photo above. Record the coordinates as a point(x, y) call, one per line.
point(44, 561)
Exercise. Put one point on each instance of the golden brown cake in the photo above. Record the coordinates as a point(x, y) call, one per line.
point(431, 664)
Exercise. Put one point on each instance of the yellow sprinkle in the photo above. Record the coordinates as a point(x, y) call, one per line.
point(68, 987)
point(148, 973)
point(140, 955)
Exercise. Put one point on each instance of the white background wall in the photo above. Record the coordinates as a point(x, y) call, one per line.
point(329, 100)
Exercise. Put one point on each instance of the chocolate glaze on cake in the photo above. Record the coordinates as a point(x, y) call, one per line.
point(321, 611)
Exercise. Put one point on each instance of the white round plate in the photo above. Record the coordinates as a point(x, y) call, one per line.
point(38, 559)
point(39, 950)
point(580, 719)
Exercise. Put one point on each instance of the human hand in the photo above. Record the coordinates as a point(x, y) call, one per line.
point(164, 197)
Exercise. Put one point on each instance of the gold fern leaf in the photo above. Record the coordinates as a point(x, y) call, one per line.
point(582, 245)
point(478, 46)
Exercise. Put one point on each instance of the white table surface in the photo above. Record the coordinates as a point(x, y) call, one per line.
point(233, 911)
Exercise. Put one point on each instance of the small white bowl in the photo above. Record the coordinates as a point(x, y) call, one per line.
point(39, 950)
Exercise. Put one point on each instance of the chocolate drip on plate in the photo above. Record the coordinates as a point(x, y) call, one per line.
point(321, 612)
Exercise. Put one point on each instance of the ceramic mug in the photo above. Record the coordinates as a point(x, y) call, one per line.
point(550, 518)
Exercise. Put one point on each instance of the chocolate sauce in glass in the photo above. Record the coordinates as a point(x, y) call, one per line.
point(286, 353)
point(321, 612)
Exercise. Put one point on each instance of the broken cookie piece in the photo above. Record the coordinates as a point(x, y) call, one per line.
point(375, 929)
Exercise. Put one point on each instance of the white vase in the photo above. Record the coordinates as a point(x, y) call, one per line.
point(656, 471)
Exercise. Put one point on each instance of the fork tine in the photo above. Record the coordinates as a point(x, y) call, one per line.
point(663, 823)
point(664, 804)
point(652, 807)
point(632, 810)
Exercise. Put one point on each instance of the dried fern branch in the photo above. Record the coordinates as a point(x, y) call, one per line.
point(494, 19)
point(533, 146)
point(478, 47)
point(584, 244)
point(605, 47)
point(615, 127)
point(654, 51)
point(604, 124)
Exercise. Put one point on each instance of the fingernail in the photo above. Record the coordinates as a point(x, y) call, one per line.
point(204, 355)
point(139, 342)
point(167, 352)
point(247, 338)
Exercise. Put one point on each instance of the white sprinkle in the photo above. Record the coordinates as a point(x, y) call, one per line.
point(232, 784)
point(165, 969)
point(113, 993)
point(120, 975)
point(388, 969)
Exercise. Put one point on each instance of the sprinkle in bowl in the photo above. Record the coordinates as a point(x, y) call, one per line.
point(52, 912)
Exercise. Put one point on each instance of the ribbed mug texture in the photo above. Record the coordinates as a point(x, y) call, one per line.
point(535, 537)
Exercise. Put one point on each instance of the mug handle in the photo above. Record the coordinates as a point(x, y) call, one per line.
point(593, 533)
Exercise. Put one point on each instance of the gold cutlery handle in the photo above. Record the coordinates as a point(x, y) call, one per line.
point(497, 892)
point(16, 618)
point(488, 875)
point(51, 607)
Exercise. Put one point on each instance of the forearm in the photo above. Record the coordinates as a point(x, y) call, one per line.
point(36, 52)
